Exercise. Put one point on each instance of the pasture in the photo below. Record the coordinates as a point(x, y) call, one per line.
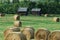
point(34, 21)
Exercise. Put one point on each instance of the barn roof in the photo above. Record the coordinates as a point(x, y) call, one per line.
point(22, 9)
point(36, 9)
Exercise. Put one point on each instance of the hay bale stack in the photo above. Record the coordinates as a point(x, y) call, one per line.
point(17, 24)
point(41, 34)
point(55, 35)
point(16, 36)
point(56, 19)
point(16, 17)
point(28, 32)
point(9, 30)
point(46, 15)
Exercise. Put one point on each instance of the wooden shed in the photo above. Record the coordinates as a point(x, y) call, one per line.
point(22, 11)
point(36, 11)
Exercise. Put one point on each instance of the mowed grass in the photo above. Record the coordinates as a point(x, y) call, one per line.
point(34, 21)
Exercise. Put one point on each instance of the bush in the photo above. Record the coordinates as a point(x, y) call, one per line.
point(9, 8)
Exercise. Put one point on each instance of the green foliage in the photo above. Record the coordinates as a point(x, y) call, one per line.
point(31, 5)
point(15, 1)
point(9, 8)
point(24, 4)
point(47, 7)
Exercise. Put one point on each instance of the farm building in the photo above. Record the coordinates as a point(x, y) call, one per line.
point(22, 11)
point(36, 11)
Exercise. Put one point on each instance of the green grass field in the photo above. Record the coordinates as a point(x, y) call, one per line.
point(34, 21)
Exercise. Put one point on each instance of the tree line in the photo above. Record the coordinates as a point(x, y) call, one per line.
point(47, 7)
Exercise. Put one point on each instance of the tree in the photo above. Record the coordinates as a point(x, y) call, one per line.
point(15, 1)
point(57, 1)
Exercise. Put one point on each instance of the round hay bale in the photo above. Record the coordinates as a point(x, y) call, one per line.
point(17, 24)
point(16, 17)
point(41, 34)
point(2, 14)
point(56, 19)
point(46, 15)
point(9, 30)
point(54, 35)
point(30, 27)
point(28, 32)
point(16, 36)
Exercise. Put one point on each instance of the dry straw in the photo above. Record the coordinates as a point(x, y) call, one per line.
point(2, 14)
point(41, 34)
point(30, 27)
point(16, 36)
point(56, 19)
point(16, 17)
point(17, 24)
point(28, 32)
point(46, 15)
point(55, 35)
point(9, 30)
